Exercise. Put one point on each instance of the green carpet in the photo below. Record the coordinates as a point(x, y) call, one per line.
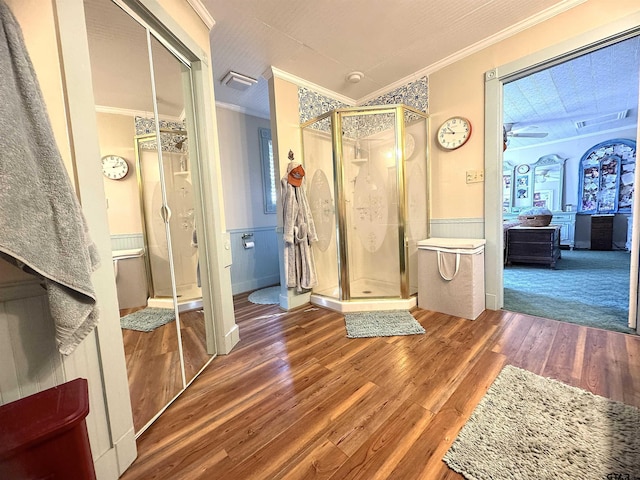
point(587, 287)
point(381, 324)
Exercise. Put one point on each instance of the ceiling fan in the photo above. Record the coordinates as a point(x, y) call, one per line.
point(524, 132)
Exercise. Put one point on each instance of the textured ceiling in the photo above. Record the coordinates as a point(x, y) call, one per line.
point(321, 42)
point(595, 89)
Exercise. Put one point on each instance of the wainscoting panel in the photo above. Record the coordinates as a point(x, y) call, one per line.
point(31, 363)
point(255, 267)
point(126, 241)
point(29, 359)
point(457, 228)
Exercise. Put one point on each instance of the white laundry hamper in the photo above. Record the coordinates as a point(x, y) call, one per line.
point(451, 276)
point(131, 277)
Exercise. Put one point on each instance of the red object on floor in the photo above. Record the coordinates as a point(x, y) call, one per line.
point(44, 436)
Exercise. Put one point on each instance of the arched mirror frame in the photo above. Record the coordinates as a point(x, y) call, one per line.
point(523, 185)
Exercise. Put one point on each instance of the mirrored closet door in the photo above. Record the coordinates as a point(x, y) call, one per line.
point(141, 87)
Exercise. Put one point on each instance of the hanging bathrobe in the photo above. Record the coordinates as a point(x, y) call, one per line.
point(299, 231)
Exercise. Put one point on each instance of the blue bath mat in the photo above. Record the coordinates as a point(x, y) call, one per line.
point(147, 319)
point(381, 324)
point(266, 296)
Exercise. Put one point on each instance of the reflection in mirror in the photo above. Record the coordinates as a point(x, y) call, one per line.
point(163, 352)
point(547, 187)
point(118, 44)
point(173, 86)
point(540, 184)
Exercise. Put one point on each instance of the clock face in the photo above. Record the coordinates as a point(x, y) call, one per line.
point(114, 167)
point(454, 133)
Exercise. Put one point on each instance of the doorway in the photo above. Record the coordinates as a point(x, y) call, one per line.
point(495, 80)
point(557, 121)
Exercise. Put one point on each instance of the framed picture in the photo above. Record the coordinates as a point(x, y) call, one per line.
point(543, 199)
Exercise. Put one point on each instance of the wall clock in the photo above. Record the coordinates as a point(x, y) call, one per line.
point(454, 133)
point(114, 167)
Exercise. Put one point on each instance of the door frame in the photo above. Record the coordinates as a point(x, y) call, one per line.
point(494, 81)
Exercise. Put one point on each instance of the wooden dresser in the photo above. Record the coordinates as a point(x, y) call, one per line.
point(534, 245)
point(602, 232)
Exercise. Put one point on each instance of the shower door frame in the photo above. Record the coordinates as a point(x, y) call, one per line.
point(335, 116)
point(139, 139)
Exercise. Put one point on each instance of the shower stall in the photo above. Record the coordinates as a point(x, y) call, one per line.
point(174, 255)
point(367, 172)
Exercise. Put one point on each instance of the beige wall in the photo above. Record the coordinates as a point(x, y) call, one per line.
point(285, 125)
point(38, 30)
point(458, 89)
point(187, 19)
point(116, 134)
point(55, 28)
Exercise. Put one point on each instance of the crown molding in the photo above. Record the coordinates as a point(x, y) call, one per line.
point(135, 113)
point(202, 12)
point(476, 47)
point(300, 82)
point(243, 110)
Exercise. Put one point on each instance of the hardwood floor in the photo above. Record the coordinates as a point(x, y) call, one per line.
point(153, 362)
point(296, 399)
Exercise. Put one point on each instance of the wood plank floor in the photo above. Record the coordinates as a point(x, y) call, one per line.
point(153, 362)
point(296, 399)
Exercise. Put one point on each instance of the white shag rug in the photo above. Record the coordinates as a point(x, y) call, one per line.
point(528, 426)
point(381, 324)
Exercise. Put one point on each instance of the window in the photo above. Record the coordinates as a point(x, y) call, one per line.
point(268, 171)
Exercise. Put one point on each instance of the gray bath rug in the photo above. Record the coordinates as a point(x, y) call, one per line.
point(528, 426)
point(381, 324)
point(266, 296)
point(147, 319)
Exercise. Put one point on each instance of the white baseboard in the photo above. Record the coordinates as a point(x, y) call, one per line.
point(230, 340)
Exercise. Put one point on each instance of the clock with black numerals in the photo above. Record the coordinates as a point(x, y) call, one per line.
point(114, 167)
point(454, 133)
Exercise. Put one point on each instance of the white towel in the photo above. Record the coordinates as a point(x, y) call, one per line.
point(42, 228)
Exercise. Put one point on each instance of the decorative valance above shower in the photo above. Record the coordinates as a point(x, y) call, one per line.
point(313, 104)
point(171, 142)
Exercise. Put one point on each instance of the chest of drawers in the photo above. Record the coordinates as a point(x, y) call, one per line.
point(534, 245)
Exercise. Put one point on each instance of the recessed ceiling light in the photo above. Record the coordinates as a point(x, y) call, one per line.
point(355, 77)
point(238, 81)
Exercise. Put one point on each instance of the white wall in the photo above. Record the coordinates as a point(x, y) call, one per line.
point(241, 167)
point(242, 170)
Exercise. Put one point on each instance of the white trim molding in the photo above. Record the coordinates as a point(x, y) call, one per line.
point(243, 110)
point(202, 12)
point(300, 82)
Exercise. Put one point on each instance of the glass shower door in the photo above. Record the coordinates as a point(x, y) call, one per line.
point(370, 161)
point(320, 174)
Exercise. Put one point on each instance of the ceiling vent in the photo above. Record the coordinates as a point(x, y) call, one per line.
point(610, 117)
point(238, 81)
